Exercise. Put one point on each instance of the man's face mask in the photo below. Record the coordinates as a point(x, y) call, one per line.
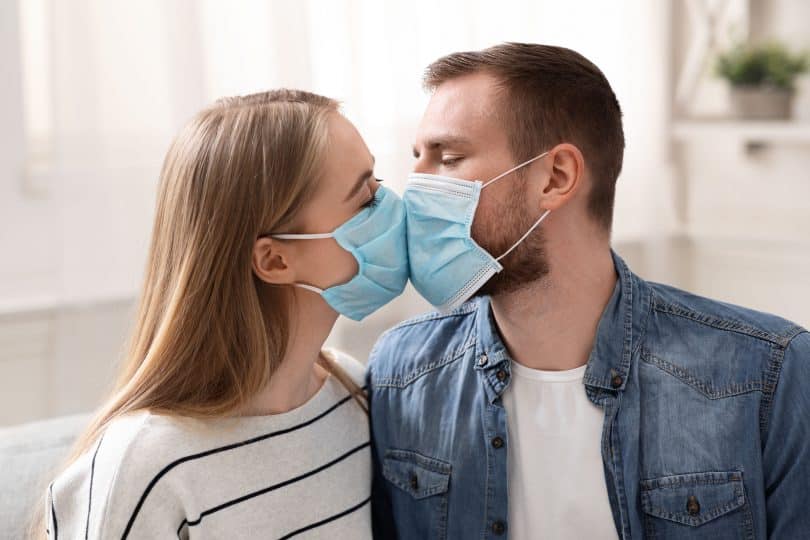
point(446, 265)
point(376, 239)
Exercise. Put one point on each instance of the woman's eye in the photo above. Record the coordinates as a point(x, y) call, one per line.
point(371, 203)
point(450, 161)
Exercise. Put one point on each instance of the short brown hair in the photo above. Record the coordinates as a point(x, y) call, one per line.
point(552, 95)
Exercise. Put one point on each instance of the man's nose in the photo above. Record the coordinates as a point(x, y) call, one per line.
point(424, 165)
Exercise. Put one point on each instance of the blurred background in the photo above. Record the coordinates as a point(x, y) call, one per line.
point(714, 197)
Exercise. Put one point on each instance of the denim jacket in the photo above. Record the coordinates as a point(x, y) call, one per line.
point(706, 432)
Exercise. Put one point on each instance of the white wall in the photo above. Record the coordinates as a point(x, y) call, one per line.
point(749, 207)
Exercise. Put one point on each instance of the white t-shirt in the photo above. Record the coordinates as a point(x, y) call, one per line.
point(301, 474)
point(556, 478)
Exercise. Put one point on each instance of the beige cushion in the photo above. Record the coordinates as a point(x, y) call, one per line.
point(29, 455)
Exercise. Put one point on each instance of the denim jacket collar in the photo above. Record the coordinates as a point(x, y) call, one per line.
point(491, 359)
point(617, 336)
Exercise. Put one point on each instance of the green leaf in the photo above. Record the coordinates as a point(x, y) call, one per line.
point(767, 64)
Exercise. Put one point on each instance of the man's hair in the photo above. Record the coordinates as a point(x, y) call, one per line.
point(550, 95)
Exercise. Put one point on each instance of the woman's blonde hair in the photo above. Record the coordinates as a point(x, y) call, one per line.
point(209, 333)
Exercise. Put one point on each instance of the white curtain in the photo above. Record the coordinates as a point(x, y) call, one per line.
point(107, 83)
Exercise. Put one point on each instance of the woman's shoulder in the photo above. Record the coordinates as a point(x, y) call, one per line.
point(117, 438)
point(353, 367)
point(94, 494)
point(123, 473)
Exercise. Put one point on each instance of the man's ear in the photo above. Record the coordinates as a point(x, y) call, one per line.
point(270, 262)
point(566, 168)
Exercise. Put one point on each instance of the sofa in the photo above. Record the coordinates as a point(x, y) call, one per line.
point(29, 455)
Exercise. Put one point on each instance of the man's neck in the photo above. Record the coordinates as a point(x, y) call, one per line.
point(551, 325)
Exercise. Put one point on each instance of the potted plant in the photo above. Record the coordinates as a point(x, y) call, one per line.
point(762, 79)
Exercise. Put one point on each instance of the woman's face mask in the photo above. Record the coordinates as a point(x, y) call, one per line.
point(362, 247)
point(376, 238)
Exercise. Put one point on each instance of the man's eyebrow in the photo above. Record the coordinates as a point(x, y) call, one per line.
point(441, 141)
point(361, 180)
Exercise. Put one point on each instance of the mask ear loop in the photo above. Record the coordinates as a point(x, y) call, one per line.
point(306, 287)
point(513, 169)
point(316, 236)
point(536, 223)
point(522, 238)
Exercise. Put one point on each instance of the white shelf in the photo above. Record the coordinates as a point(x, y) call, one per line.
point(744, 131)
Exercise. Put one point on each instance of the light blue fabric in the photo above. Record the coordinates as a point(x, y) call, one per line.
point(376, 237)
point(447, 266)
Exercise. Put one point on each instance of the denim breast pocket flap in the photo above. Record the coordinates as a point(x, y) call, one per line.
point(693, 499)
point(417, 475)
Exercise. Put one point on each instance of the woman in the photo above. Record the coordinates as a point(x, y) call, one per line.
point(229, 421)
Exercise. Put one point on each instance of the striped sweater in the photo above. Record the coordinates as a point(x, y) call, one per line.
point(301, 474)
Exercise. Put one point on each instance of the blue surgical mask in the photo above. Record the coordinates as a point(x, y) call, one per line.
point(447, 266)
point(376, 237)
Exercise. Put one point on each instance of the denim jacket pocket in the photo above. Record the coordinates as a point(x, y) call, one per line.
point(421, 487)
point(710, 505)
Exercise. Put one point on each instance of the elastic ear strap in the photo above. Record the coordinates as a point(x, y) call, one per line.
point(302, 236)
point(522, 238)
point(316, 290)
point(513, 169)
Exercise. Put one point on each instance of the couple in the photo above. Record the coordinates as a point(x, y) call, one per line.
point(568, 398)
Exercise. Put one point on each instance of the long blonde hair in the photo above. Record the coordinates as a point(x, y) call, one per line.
point(209, 334)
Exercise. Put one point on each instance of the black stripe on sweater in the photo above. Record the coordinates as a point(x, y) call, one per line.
point(213, 451)
point(53, 514)
point(327, 520)
point(274, 487)
point(90, 497)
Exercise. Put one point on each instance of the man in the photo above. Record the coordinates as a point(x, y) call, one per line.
point(569, 398)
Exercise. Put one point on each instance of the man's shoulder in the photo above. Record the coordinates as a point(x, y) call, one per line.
point(422, 344)
point(700, 314)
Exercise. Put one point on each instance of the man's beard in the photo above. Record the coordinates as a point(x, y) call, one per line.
point(527, 263)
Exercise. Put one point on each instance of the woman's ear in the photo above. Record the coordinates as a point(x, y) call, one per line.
point(270, 262)
point(566, 170)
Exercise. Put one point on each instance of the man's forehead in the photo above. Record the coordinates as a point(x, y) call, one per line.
point(468, 95)
point(459, 110)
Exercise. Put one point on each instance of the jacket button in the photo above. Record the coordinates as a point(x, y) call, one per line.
point(616, 381)
point(483, 359)
point(499, 527)
point(501, 375)
point(497, 442)
point(414, 482)
point(693, 506)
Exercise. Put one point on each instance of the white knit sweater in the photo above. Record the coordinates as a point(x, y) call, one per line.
point(302, 474)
